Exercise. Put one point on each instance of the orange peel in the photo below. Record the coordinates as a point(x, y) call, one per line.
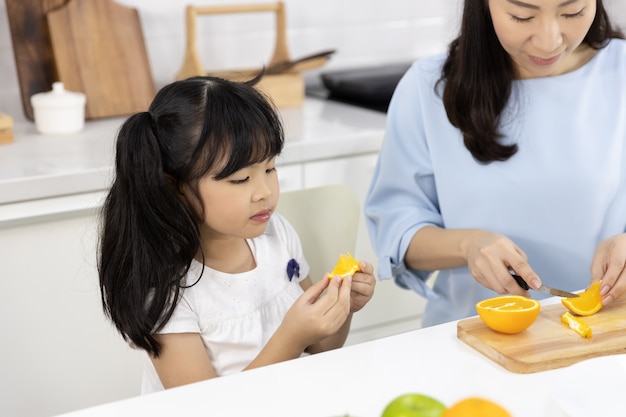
point(508, 313)
point(587, 303)
point(345, 266)
point(475, 407)
point(577, 324)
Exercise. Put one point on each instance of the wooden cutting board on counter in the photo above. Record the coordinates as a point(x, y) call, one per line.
point(99, 50)
point(548, 343)
point(34, 59)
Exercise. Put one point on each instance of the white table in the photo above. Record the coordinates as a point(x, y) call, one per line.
point(360, 380)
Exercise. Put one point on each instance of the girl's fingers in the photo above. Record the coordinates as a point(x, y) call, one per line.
point(314, 292)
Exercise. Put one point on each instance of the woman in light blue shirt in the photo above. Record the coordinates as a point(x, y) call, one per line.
point(508, 153)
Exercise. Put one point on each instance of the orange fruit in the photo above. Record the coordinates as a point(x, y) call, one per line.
point(346, 265)
point(577, 324)
point(587, 303)
point(475, 407)
point(508, 313)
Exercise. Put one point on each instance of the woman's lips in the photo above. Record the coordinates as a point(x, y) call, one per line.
point(262, 216)
point(544, 62)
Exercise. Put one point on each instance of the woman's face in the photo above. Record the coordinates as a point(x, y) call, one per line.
point(541, 36)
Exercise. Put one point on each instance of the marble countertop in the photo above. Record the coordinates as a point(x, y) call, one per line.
point(37, 166)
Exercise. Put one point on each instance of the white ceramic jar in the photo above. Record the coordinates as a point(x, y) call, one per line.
point(58, 111)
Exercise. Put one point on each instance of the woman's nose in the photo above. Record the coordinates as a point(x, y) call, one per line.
point(548, 37)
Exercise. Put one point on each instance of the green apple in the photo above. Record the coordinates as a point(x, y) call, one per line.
point(414, 405)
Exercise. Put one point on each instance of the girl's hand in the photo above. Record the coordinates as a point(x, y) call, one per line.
point(490, 257)
point(315, 316)
point(609, 265)
point(363, 283)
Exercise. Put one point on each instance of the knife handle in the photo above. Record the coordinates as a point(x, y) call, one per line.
point(520, 281)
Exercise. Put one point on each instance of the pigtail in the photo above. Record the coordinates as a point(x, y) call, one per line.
point(148, 238)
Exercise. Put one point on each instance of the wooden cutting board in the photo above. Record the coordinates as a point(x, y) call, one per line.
point(548, 343)
point(34, 60)
point(99, 50)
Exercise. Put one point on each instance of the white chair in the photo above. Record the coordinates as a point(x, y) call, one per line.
point(327, 220)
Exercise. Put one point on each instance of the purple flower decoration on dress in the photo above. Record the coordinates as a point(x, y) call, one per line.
point(293, 268)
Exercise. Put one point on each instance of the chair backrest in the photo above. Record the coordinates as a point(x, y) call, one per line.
point(326, 219)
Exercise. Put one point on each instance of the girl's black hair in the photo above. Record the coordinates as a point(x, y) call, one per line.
point(149, 232)
point(478, 76)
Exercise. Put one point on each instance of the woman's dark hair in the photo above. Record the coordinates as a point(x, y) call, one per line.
point(149, 231)
point(478, 76)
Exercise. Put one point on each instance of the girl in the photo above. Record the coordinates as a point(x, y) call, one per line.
point(194, 266)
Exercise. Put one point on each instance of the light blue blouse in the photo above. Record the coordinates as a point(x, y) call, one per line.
point(556, 198)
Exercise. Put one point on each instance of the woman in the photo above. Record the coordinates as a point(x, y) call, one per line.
point(507, 155)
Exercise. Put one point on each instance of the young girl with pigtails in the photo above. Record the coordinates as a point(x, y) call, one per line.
point(195, 267)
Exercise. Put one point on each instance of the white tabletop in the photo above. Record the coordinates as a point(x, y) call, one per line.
point(360, 380)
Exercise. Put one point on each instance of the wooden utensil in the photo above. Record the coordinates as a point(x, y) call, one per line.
point(548, 343)
point(32, 48)
point(99, 50)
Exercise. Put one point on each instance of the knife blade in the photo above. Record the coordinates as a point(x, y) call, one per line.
point(544, 288)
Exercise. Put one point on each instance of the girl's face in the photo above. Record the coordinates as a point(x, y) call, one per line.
point(239, 205)
point(541, 36)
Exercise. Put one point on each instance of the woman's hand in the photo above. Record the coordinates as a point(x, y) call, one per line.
point(490, 256)
point(609, 265)
point(363, 283)
point(314, 315)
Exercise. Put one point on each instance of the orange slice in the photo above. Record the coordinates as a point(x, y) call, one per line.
point(508, 313)
point(589, 302)
point(577, 324)
point(475, 407)
point(346, 266)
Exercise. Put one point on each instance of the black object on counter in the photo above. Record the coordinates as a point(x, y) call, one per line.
point(369, 87)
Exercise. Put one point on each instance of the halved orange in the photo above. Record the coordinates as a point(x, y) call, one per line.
point(508, 313)
point(587, 303)
point(475, 407)
point(577, 324)
point(346, 265)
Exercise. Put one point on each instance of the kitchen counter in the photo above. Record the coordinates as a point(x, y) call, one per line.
point(360, 380)
point(72, 171)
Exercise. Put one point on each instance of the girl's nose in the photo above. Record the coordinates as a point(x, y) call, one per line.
point(548, 37)
point(263, 190)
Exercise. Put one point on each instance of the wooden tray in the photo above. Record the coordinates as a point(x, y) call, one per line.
point(548, 343)
point(99, 50)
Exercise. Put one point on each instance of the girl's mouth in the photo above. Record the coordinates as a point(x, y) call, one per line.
point(262, 216)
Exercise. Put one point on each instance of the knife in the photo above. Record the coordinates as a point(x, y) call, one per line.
point(544, 288)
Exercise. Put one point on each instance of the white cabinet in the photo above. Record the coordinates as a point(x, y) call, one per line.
point(392, 309)
point(59, 353)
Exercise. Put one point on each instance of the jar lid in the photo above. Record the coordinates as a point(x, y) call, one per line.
point(58, 97)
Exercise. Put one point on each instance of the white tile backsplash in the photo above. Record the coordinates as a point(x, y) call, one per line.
point(363, 32)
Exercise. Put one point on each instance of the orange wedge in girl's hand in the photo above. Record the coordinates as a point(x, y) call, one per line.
point(589, 302)
point(346, 266)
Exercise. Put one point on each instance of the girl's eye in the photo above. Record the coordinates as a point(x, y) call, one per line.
point(270, 170)
point(521, 19)
point(241, 181)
